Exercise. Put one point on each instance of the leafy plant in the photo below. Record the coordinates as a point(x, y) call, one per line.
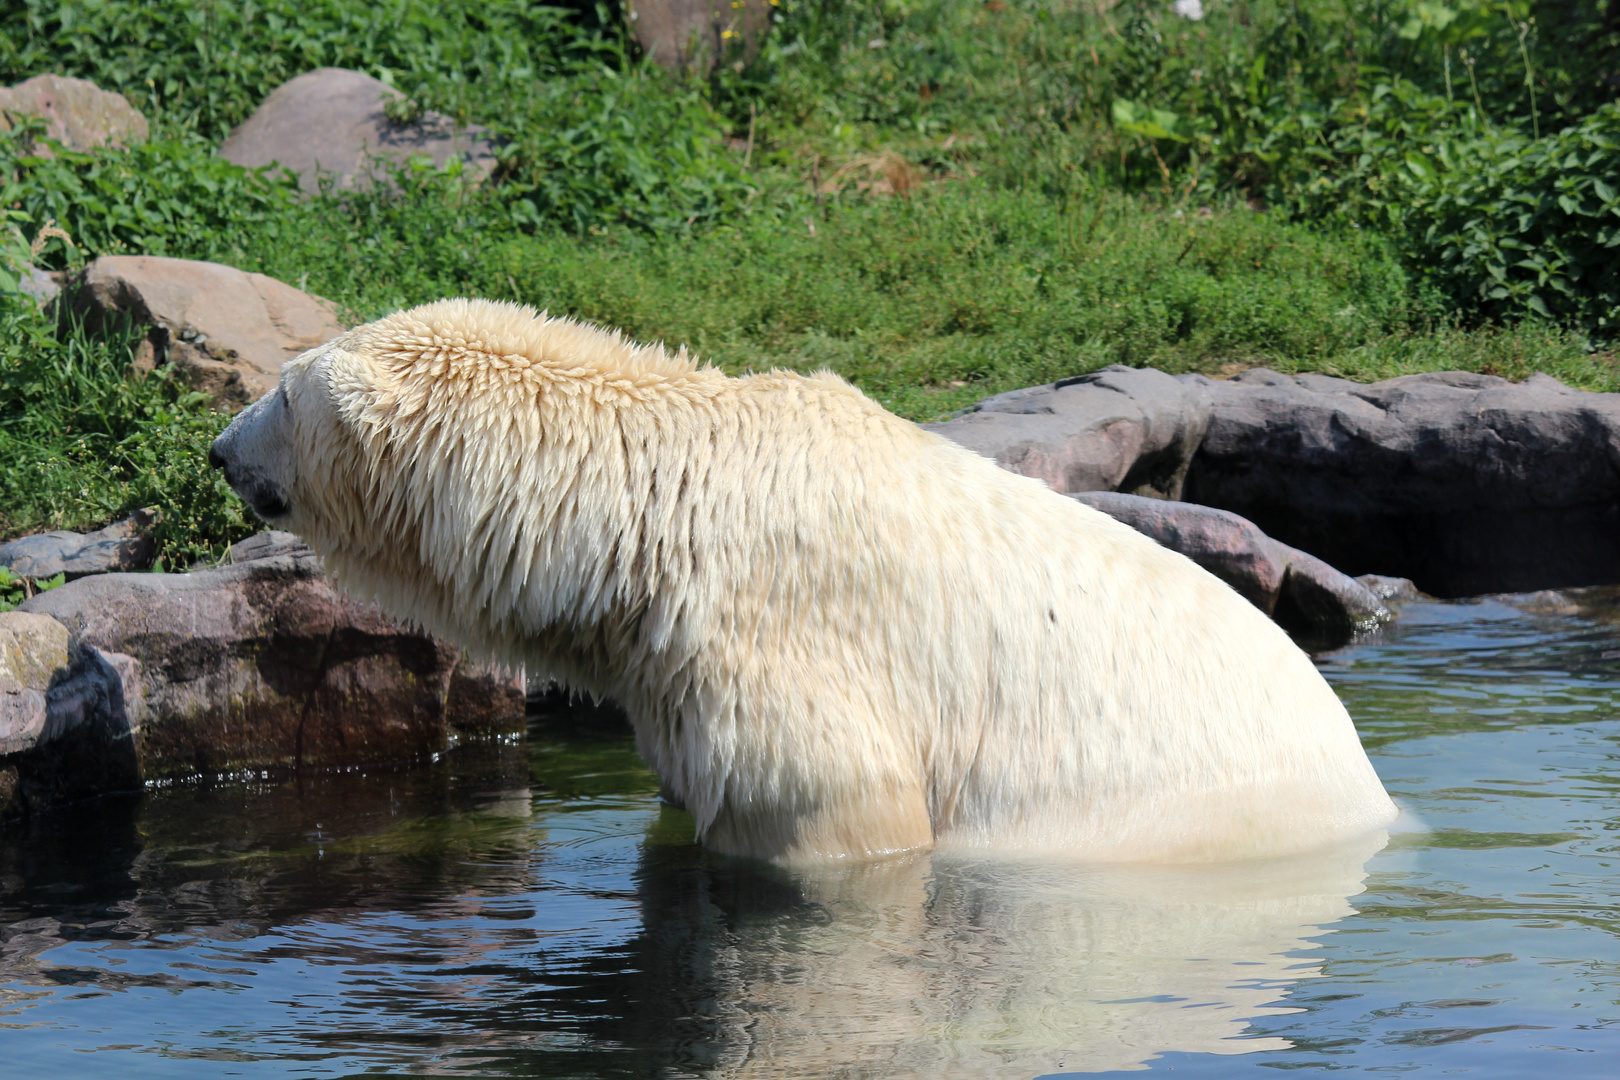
point(14, 589)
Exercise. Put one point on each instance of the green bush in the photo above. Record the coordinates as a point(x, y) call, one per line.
point(85, 440)
point(166, 197)
point(1518, 225)
point(586, 135)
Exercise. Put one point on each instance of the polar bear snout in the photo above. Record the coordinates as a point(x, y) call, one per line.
point(255, 455)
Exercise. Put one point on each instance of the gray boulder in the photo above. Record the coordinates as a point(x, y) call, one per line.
point(43, 285)
point(1305, 595)
point(78, 114)
point(225, 331)
point(265, 665)
point(268, 545)
point(1118, 429)
point(1390, 588)
point(1466, 484)
point(334, 121)
point(123, 545)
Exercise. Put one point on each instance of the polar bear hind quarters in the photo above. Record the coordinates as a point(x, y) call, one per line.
point(837, 635)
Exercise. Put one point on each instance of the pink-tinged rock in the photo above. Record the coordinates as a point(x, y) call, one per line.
point(78, 114)
point(332, 120)
point(1305, 595)
point(226, 331)
point(264, 665)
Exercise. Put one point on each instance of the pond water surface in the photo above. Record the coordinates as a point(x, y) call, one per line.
point(533, 912)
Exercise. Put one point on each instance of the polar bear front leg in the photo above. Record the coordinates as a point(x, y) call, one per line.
point(872, 823)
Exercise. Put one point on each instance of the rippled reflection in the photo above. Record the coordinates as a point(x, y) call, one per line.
point(952, 968)
point(533, 912)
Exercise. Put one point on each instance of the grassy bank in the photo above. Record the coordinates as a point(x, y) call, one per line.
point(938, 199)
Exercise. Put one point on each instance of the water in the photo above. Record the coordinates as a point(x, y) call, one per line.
point(532, 911)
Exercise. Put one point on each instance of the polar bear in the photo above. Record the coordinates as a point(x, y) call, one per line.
point(837, 636)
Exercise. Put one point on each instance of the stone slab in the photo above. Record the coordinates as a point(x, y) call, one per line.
point(1306, 596)
point(123, 545)
point(1466, 484)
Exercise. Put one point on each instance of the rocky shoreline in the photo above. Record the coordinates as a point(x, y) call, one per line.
point(1318, 500)
point(1466, 484)
point(121, 679)
point(1284, 487)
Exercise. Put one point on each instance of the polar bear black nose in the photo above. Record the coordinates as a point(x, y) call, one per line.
point(214, 460)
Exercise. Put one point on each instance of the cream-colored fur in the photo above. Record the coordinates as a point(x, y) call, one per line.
point(837, 636)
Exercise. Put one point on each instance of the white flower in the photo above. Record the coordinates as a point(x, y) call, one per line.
point(1190, 9)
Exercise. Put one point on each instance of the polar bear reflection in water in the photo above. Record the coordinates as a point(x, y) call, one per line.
point(966, 966)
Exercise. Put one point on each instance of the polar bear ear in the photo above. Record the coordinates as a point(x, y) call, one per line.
point(364, 394)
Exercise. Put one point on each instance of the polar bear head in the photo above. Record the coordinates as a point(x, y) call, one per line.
point(437, 460)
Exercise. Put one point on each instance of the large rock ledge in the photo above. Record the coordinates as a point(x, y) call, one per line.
point(1466, 484)
point(119, 679)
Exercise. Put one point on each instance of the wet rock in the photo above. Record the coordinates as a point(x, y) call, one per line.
point(265, 665)
point(694, 36)
point(225, 331)
point(1389, 588)
point(334, 121)
point(1305, 595)
point(1118, 429)
point(64, 733)
point(123, 545)
point(1466, 484)
point(78, 114)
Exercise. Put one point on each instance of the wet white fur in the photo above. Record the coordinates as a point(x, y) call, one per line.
point(836, 635)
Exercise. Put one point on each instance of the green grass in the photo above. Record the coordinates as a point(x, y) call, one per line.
point(85, 440)
point(933, 301)
point(938, 199)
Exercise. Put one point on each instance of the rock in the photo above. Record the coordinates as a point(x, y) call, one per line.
point(123, 545)
point(225, 331)
point(1545, 602)
point(78, 114)
point(64, 733)
point(1389, 588)
point(1466, 484)
point(43, 285)
point(1226, 545)
point(332, 120)
point(33, 648)
point(695, 36)
point(1118, 429)
point(264, 665)
point(268, 545)
point(1305, 595)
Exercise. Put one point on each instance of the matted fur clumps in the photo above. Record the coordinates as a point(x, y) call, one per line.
point(836, 635)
